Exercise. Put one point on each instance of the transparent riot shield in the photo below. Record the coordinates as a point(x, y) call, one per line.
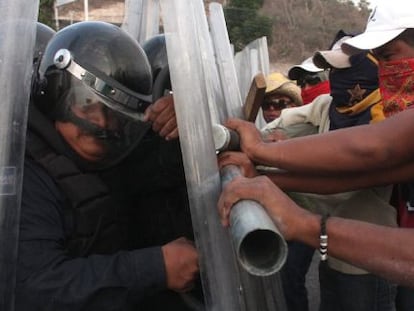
point(217, 263)
point(225, 60)
point(17, 38)
point(142, 19)
point(262, 285)
point(254, 58)
point(200, 103)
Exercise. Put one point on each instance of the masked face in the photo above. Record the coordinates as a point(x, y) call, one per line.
point(97, 129)
point(397, 85)
point(396, 69)
point(393, 51)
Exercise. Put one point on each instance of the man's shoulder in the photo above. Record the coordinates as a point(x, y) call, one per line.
point(32, 168)
point(35, 177)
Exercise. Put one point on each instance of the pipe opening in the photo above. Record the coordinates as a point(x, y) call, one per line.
point(262, 252)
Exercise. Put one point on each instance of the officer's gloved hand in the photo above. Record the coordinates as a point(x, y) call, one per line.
point(162, 115)
point(181, 264)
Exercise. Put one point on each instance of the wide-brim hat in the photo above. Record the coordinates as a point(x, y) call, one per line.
point(278, 84)
point(388, 20)
point(307, 66)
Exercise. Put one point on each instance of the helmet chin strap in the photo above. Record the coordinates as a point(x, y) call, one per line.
point(91, 128)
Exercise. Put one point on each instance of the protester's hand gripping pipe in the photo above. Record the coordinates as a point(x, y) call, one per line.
point(259, 245)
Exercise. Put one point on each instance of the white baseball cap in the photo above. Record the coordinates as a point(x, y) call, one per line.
point(334, 57)
point(307, 65)
point(388, 19)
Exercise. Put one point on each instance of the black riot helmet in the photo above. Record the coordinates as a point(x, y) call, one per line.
point(156, 50)
point(104, 54)
point(43, 34)
point(96, 68)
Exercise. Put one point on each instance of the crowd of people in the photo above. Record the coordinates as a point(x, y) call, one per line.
point(103, 173)
point(377, 154)
point(344, 106)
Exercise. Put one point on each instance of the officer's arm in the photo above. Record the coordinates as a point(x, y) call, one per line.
point(48, 279)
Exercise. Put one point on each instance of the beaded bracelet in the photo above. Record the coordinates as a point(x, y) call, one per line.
point(323, 238)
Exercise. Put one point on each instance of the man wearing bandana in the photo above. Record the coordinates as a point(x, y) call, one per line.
point(312, 80)
point(354, 100)
point(396, 76)
point(342, 160)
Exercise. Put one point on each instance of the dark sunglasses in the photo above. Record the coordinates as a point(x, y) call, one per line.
point(308, 79)
point(277, 104)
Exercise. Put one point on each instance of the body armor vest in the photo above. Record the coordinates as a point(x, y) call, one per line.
point(142, 202)
point(90, 216)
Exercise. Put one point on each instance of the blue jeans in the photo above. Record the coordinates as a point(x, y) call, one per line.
point(405, 299)
point(293, 276)
point(348, 292)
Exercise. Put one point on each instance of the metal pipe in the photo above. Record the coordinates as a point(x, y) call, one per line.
point(260, 247)
point(226, 285)
point(225, 139)
point(258, 292)
point(218, 264)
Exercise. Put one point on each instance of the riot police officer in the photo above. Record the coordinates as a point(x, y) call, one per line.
point(105, 223)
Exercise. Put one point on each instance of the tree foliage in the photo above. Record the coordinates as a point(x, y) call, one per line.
point(248, 4)
point(46, 12)
point(245, 24)
point(295, 29)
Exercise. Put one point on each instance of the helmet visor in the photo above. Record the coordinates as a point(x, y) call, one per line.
point(105, 130)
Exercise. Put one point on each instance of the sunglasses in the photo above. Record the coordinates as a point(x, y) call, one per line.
point(276, 104)
point(308, 79)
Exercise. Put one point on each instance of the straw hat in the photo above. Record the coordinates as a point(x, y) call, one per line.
point(277, 83)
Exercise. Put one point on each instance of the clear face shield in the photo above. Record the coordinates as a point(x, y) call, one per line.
point(100, 130)
point(100, 122)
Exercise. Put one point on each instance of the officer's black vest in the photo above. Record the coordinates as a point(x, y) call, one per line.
point(90, 216)
point(140, 203)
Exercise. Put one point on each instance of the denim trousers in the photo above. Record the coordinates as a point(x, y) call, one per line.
point(293, 275)
point(405, 299)
point(350, 292)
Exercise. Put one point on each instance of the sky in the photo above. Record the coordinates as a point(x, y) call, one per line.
point(372, 2)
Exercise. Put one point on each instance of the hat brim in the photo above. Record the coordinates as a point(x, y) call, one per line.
point(296, 71)
point(289, 89)
point(369, 40)
point(329, 59)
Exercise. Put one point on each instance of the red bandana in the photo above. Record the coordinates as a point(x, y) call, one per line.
point(396, 82)
point(310, 93)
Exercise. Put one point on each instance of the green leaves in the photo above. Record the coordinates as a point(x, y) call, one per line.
point(46, 13)
point(245, 24)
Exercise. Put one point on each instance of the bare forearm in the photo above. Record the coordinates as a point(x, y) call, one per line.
point(346, 182)
point(328, 154)
point(358, 149)
point(383, 251)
